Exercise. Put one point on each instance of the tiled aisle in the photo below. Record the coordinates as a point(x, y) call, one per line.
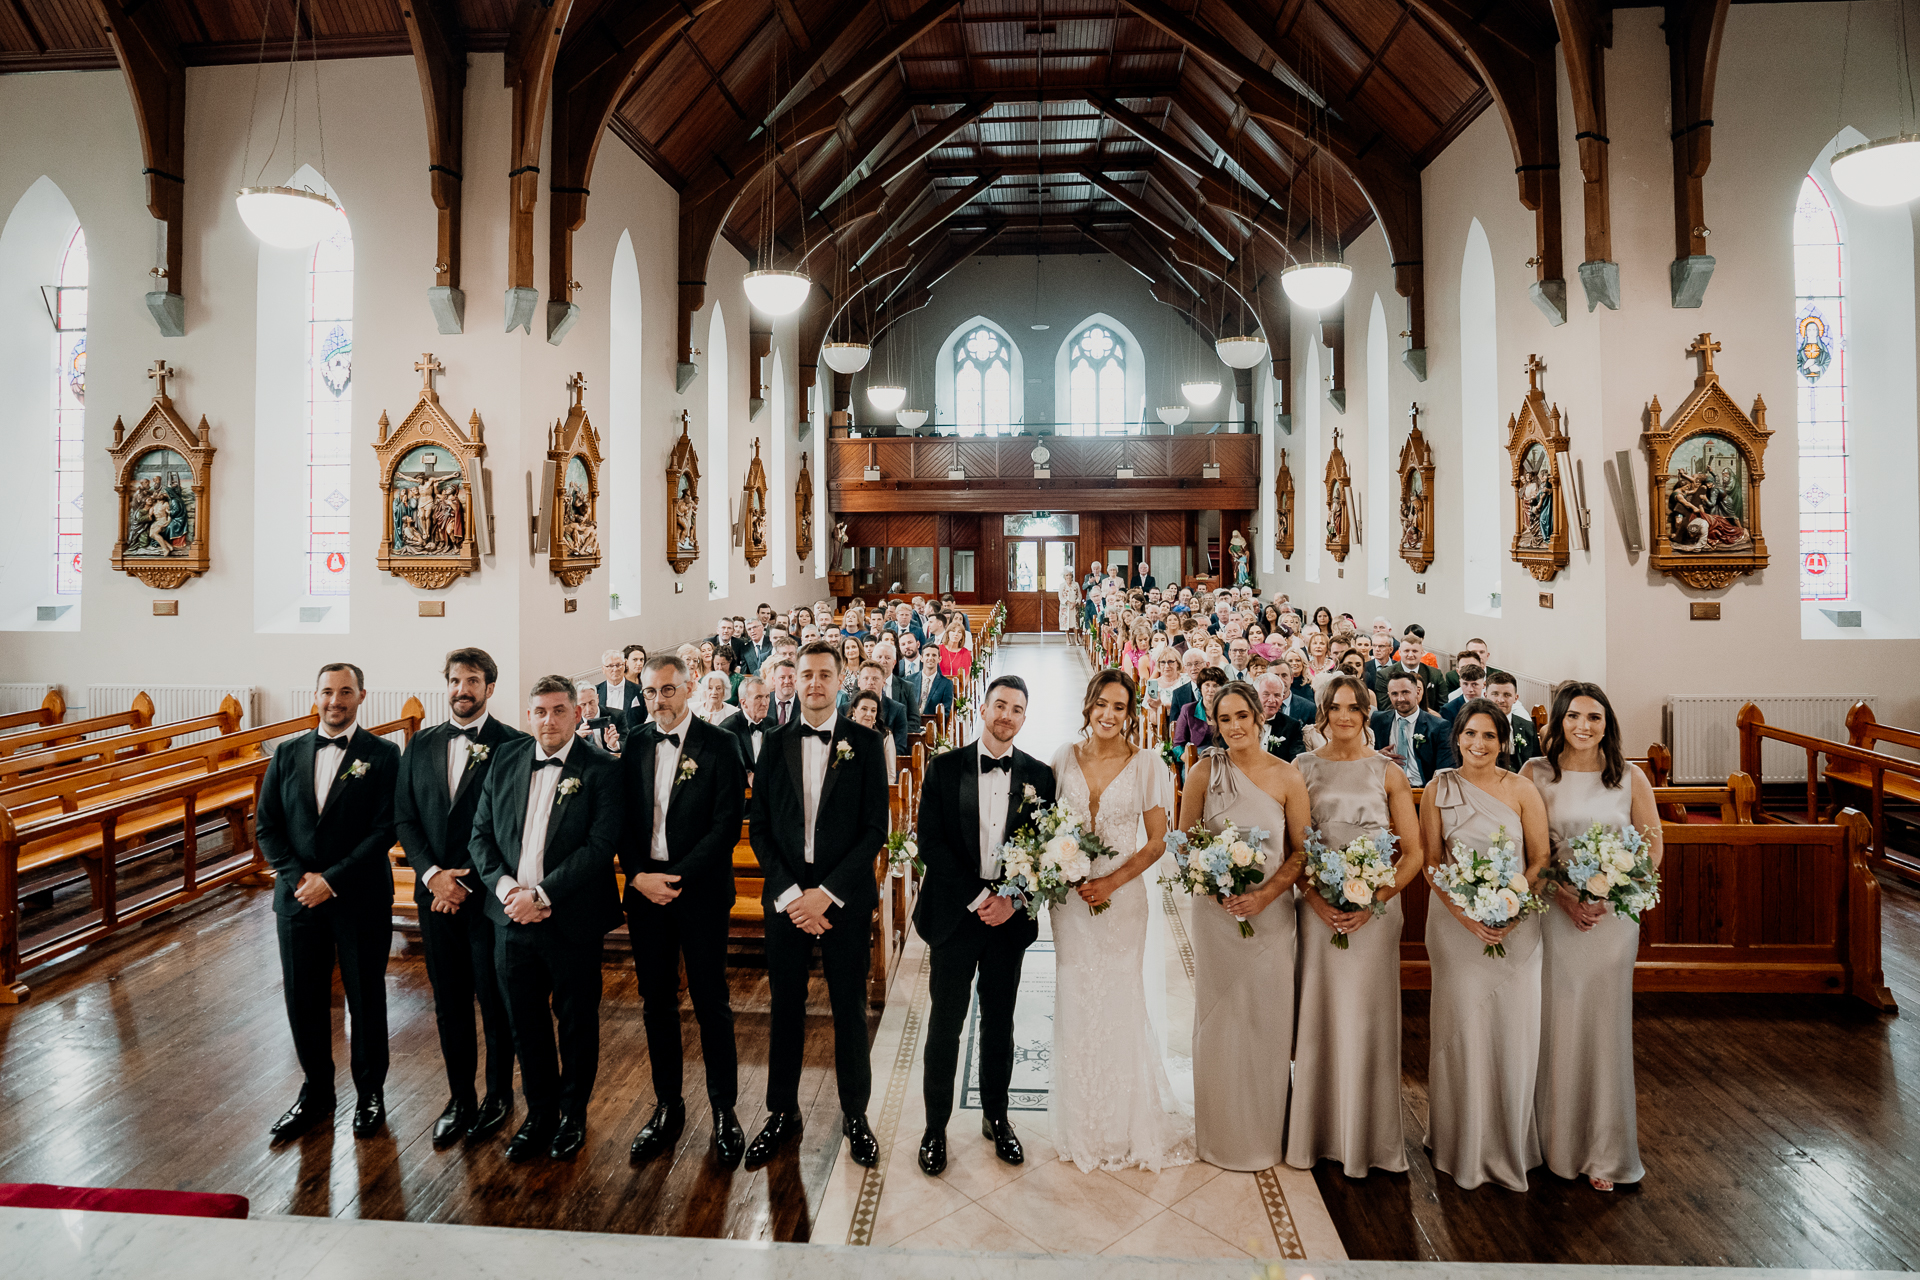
point(1047, 1205)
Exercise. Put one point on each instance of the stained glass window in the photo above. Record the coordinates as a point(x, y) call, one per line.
point(329, 410)
point(1097, 383)
point(69, 413)
point(983, 384)
point(1820, 369)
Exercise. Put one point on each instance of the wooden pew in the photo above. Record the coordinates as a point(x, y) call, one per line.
point(138, 716)
point(1851, 764)
point(36, 766)
point(106, 816)
point(52, 710)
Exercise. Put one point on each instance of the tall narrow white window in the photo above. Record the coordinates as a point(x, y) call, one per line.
point(329, 412)
point(69, 414)
point(982, 384)
point(1820, 367)
point(780, 494)
point(1481, 481)
point(625, 473)
point(1097, 375)
point(1383, 487)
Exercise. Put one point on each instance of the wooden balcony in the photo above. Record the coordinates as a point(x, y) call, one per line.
point(1084, 473)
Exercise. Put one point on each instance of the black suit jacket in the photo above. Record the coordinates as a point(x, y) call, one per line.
point(347, 842)
point(850, 824)
point(753, 655)
point(1526, 742)
point(1433, 693)
point(949, 839)
point(583, 834)
point(703, 812)
point(633, 700)
point(1433, 750)
point(1289, 735)
point(742, 730)
point(903, 692)
point(433, 827)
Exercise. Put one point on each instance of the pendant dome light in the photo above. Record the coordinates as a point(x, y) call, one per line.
point(1242, 352)
point(773, 292)
point(1316, 285)
point(1173, 414)
point(1322, 280)
point(776, 293)
point(1200, 393)
point(912, 419)
point(286, 217)
point(886, 398)
point(1885, 171)
point(846, 357)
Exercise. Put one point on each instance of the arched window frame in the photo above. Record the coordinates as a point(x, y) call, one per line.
point(329, 405)
point(1820, 379)
point(947, 367)
point(1097, 382)
point(69, 401)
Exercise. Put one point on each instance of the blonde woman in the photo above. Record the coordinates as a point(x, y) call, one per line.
point(1317, 660)
point(1070, 606)
point(696, 663)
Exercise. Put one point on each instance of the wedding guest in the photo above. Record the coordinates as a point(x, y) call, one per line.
point(785, 702)
point(930, 690)
point(1584, 1100)
point(685, 789)
point(435, 795)
point(617, 691)
point(1286, 732)
point(1504, 691)
point(1346, 1060)
point(1194, 726)
point(1243, 986)
point(603, 729)
point(724, 665)
point(851, 656)
point(1484, 1030)
point(891, 716)
point(1432, 688)
point(1323, 621)
point(863, 708)
point(753, 724)
point(325, 824)
point(1473, 685)
point(1408, 734)
point(956, 657)
point(544, 838)
point(636, 658)
point(712, 693)
point(1187, 687)
point(1317, 659)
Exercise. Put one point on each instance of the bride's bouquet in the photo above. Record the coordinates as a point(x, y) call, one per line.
point(1490, 887)
point(1225, 864)
point(1350, 878)
point(1613, 865)
point(1048, 857)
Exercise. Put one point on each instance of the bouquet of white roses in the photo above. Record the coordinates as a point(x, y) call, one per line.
point(1490, 887)
point(903, 852)
point(1350, 878)
point(1612, 864)
point(1049, 856)
point(1224, 864)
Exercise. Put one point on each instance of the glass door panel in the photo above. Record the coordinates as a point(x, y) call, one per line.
point(1023, 566)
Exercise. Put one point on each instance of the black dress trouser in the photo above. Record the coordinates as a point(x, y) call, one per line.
point(845, 958)
point(459, 946)
point(312, 943)
point(697, 929)
point(994, 954)
point(550, 977)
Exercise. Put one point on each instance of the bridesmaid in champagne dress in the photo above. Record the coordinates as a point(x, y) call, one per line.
point(1243, 987)
point(1485, 1043)
point(1346, 1058)
point(1584, 1099)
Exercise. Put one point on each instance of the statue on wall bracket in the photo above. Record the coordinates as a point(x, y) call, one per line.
point(429, 473)
point(573, 468)
point(162, 474)
point(1535, 441)
point(683, 501)
point(1339, 486)
point(1705, 466)
point(1416, 496)
point(1283, 508)
point(753, 510)
point(803, 512)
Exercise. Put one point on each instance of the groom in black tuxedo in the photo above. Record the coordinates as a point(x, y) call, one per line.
point(325, 823)
point(544, 838)
point(685, 786)
point(441, 777)
point(817, 820)
point(974, 799)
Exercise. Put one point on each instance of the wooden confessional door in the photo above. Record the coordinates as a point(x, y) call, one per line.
point(1036, 570)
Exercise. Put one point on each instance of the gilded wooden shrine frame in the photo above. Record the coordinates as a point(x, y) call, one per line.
point(573, 452)
point(1339, 486)
point(1535, 441)
point(683, 501)
point(162, 535)
point(1705, 467)
point(1416, 497)
point(803, 512)
point(753, 510)
point(429, 469)
point(1283, 508)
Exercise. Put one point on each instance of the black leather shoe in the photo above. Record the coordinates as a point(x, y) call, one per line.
point(659, 1132)
point(933, 1153)
point(369, 1115)
point(861, 1144)
point(780, 1126)
point(533, 1138)
point(454, 1123)
point(1005, 1145)
point(729, 1139)
point(304, 1114)
point(568, 1138)
point(494, 1112)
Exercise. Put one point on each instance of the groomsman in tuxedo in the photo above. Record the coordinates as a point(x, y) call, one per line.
point(974, 799)
point(751, 727)
point(817, 820)
point(544, 839)
point(325, 823)
point(685, 787)
point(442, 775)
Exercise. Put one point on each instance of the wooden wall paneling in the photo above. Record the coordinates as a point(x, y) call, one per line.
point(867, 530)
point(1095, 462)
point(932, 459)
point(910, 530)
point(961, 529)
point(1165, 528)
point(1024, 611)
point(1150, 458)
point(1187, 455)
point(982, 461)
point(894, 458)
point(1137, 528)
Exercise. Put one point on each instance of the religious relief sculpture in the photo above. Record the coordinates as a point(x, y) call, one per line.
point(753, 509)
point(429, 471)
point(1339, 517)
point(573, 472)
point(683, 501)
point(1416, 497)
point(162, 473)
point(1237, 551)
point(1705, 467)
point(1535, 441)
point(803, 512)
point(1283, 508)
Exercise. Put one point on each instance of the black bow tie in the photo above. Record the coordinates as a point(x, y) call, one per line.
point(1005, 764)
point(825, 735)
point(471, 733)
point(333, 744)
point(551, 762)
point(654, 732)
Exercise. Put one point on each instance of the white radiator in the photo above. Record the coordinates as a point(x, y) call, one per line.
point(1534, 692)
point(23, 696)
point(172, 702)
point(381, 706)
point(1705, 742)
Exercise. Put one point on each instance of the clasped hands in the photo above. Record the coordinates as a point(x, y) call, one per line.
point(809, 912)
point(1584, 915)
point(312, 890)
point(524, 908)
point(448, 892)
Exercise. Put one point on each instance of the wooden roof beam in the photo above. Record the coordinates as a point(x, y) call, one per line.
point(440, 57)
point(149, 55)
point(531, 52)
point(884, 171)
point(1693, 30)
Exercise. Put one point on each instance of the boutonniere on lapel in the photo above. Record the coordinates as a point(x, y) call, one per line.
point(688, 767)
point(566, 788)
point(358, 769)
point(1028, 795)
point(478, 751)
point(842, 751)
point(1268, 742)
point(1419, 739)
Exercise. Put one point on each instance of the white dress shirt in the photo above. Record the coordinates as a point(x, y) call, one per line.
point(666, 763)
point(326, 763)
point(542, 790)
point(459, 755)
point(996, 788)
point(815, 758)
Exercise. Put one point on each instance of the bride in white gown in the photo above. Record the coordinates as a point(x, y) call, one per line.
point(1111, 1105)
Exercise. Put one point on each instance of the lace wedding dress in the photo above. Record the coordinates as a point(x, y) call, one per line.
point(1111, 1105)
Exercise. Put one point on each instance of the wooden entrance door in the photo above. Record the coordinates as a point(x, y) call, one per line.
point(1036, 570)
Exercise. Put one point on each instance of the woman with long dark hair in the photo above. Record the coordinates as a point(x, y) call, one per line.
point(1583, 1100)
point(1323, 620)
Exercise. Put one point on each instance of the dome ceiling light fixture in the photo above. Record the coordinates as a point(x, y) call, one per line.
point(886, 398)
point(776, 293)
point(1883, 172)
point(1200, 392)
point(1316, 285)
point(912, 419)
point(286, 217)
point(1241, 352)
point(1173, 414)
point(1319, 278)
point(846, 357)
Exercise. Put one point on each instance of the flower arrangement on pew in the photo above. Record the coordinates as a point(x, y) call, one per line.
point(1612, 865)
point(903, 852)
point(1047, 858)
point(1489, 886)
point(1350, 878)
point(1225, 864)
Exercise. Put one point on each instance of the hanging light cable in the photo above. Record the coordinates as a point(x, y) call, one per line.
point(1322, 280)
point(1885, 171)
point(772, 292)
point(286, 217)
